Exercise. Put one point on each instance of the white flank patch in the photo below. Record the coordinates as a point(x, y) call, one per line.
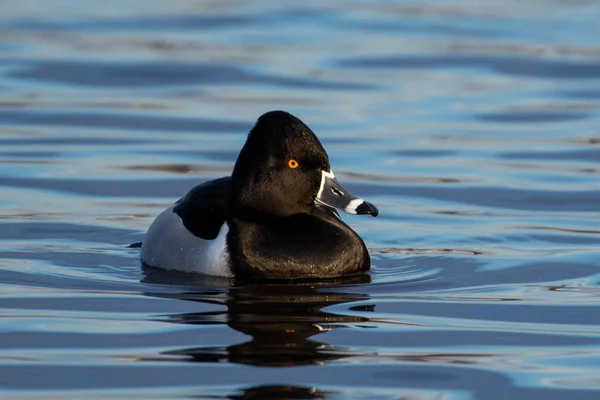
point(169, 245)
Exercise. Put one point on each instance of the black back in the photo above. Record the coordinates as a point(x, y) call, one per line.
point(203, 210)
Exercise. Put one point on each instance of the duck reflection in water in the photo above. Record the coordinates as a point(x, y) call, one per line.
point(281, 318)
point(280, 392)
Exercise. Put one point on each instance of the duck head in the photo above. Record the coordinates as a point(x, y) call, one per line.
point(283, 170)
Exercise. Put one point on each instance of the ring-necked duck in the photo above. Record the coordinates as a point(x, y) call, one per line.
point(274, 217)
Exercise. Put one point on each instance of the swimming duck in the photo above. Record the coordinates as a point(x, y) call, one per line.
point(274, 218)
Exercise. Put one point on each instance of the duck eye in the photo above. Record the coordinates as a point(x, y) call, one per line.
point(293, 164)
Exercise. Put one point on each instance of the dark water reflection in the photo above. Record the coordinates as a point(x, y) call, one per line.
point(473, 126)
point(282, 320)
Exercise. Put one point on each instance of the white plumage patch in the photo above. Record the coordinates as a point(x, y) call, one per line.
point(353, 205)
point(324, 176)
point(169, 245)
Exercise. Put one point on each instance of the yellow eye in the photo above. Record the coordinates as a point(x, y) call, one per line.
point(293, 164)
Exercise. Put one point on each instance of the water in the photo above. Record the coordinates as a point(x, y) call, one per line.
point(473, 126)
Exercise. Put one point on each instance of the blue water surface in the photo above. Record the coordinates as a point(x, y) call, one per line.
point(473, 126)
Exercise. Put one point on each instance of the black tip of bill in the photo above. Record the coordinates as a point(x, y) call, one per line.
point(367, 208)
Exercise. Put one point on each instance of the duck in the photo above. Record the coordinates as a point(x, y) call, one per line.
point(275, 217)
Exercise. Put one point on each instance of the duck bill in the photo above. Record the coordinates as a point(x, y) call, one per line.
point(332, 194)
